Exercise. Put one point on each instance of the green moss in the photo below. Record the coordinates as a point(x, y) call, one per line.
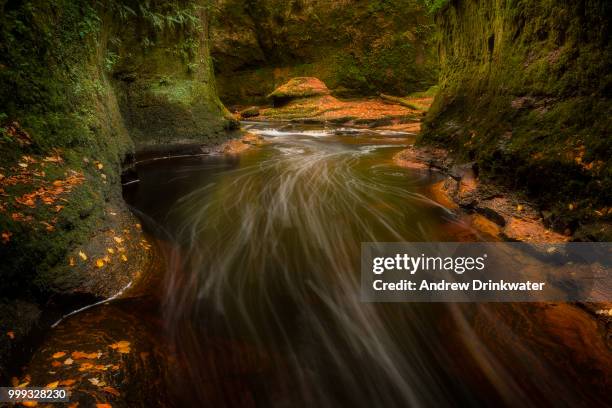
point(362, 49)
point(525, 93)
point(64, 69)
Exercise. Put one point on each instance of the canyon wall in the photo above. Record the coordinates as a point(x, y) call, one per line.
point(81, 85)
point(525, 94)
point(356, 47)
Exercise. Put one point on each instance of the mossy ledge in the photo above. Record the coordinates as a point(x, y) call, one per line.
point(525, 94)
point(82, 84)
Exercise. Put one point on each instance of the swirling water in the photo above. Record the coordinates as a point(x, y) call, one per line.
point(261, 304)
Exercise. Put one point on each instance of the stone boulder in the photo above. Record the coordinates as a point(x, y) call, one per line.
point(298, 88)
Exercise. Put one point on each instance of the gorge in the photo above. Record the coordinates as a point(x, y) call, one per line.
point(217, 164)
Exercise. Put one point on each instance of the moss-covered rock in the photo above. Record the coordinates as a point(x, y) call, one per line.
point(162, 72)
point(78, 86)
point(525, 93)
point(356, 47)
point(296, 88)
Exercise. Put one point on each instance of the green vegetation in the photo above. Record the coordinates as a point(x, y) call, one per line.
point(525, 93)
point(73, 79)
point(357, 49)
point(435, 5)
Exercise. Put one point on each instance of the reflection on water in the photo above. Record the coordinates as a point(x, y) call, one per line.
point(260, 302)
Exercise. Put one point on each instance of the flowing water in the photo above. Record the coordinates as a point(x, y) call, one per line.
point(259, 301)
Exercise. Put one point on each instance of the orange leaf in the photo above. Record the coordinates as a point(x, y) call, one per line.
point(67, 383)
point(104, 406)
point(10, 334)
point(59, 354)
point(100, 263)
point(122, 347)
point(52, 385)
point(111, 390)
point(6, 237)
point(29, 403)
point(78, 355)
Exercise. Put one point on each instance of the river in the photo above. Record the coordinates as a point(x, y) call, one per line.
point(257, 303)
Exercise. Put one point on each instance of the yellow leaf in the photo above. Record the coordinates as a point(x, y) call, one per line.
point(71, 261)
point(110, 250)
point(29, 403)
point(100, 263)
point(123, 258)
point(118, 239)
point(52, 385)
point(82, 255)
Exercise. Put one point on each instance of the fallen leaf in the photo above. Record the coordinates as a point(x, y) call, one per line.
point(11, 335)
point(111, 390)
point(67, 383)
point(519, 208)
point(29, 403)
point(122, 347)
point(68, 361)
point(118, 239)
point(124, 258)
point(82, 255)
point(71, 261)
point(79, 355)
point(6, 237)
point(100, 263)
point(104, 406)
point(56, 364)
point(52, 385)
point(94, 381)
point(59, 354)
point(73, 405)
point(85, 366)
point(110, 250)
